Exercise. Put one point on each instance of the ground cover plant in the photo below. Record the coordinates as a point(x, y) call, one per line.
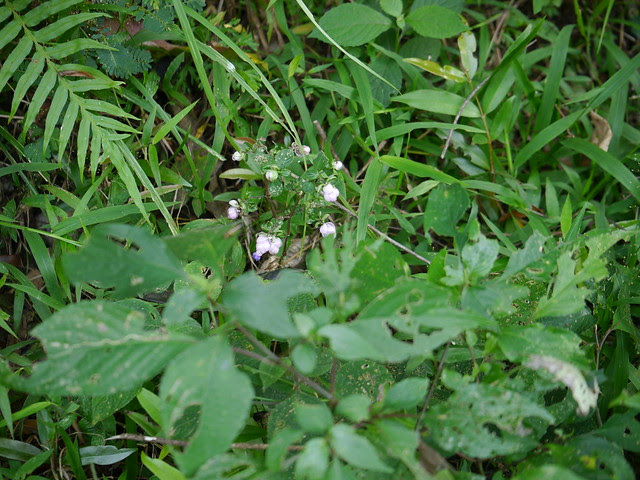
point(288, 239)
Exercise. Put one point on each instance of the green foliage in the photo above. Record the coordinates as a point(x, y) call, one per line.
point(380, 240)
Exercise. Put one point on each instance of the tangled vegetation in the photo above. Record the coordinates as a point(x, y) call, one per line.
point(288, 239)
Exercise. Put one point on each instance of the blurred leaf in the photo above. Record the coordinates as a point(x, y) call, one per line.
point(104, 455)
point(131, 271)
point(406, 394)
point(356, 449)
point(268, 297)
point(204, 376)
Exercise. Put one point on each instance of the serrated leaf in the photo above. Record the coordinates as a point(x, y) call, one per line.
point(356, 449)
point(97, 348)
point(267, 311)
point(130, 271)
point(353, 24)
point(205, 377)
point(436, 22)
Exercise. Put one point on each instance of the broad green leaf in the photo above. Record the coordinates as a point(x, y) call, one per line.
point(397, 439)
point(240, 174)
point(208, 246)
point(104, 454)
point(205, 378)
point(362, 378)
point(355, 407)
point(130, 271)
point(436, 22)
point(531, 252)
point(406, 394)
point(438, 101)
point(466, 421)
point(391, 7)
point(98, 348)
point(304, 358)
point(97, 409)
point(353, 24)
point(379, 265)
point(519, 342)
point(315, 419)
point(313, 462)
point(356, 449)
point(267, 311)
point(446, 206)
point(368, 339)
point(447, 72)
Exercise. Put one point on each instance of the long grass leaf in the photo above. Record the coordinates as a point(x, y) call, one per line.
point(45, 265)
point(418, 169)
point(552, 85)
point(82, 142)
point(608, 163)
point(46, 10)
point(242, 54)
point(28, 167)
point(9, 32)
point(170, 125)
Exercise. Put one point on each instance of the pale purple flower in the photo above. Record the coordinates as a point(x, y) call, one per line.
point(276, 243)
point(327, 228)
point(233, 213)
point(236, 157)
point(256, 256)
point(337, 165)
point(330, 193)
point(263, 245)
point(306, 149)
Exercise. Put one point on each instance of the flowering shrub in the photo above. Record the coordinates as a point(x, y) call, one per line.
point(296, 192)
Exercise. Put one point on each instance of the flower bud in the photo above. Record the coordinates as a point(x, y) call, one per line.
point(306, 149)
point(236, 157)
point(337, 165)
point(271, 175)
point(234, 203)
point(233, 213)
point(327, 228)
point(330, 193)
point(256, 256)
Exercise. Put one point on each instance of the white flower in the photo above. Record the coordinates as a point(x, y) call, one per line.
point(276, 243)
point(263, 245)
point(236, 157)
point(327, 228)
point(330, 193)
point(233, 213)
point(337, 165)
point(271, 175)
point(234, 203)
point(306, 149)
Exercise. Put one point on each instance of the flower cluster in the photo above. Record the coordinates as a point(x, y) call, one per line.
point(330, 193)
point(266, 243)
